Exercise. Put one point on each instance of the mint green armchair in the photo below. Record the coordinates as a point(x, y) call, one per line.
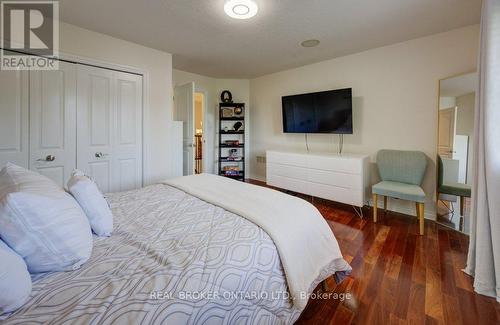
point(402, 173)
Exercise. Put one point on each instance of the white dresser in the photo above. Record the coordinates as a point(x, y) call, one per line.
point(342, 178)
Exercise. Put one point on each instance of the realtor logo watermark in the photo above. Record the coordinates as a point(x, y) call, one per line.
point(29, 27)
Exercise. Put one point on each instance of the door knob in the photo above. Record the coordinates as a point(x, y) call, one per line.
point(48, 158)
point(100, 154)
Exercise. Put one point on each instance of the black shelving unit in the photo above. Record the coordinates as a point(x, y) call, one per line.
point(231, 134)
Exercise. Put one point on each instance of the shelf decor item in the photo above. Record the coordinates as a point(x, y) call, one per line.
point(231, 140)
point(226, 97)
point(238, 111)
point(227, 112)
point(237, 126)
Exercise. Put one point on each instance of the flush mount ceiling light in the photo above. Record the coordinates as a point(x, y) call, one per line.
point(310, 43)
point(241, 9)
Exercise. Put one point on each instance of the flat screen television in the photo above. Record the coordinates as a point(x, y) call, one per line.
point(321, 112)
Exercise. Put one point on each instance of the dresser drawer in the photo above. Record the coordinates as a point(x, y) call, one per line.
point(338, 194)
point(337, 164)
point(338, 178)
point(287, 183)
point(349, 181)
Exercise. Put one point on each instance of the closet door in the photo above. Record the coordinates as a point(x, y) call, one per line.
point(127, 142)
point(109, 143)
point(14, 118)
point(95, 124)
point(53, 122)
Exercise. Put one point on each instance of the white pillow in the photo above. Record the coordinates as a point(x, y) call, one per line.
point(15, 281)
point(93, 203)
point(41, 222)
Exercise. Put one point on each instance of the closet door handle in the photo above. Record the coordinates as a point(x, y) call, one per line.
point(48, 158)
point(100, 155)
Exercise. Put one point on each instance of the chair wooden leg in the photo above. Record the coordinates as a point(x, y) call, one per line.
point(462, 205)
point(385, 203)
point(375, 206)
point(421, 217)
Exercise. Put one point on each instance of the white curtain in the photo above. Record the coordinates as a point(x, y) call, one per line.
point(483, 261)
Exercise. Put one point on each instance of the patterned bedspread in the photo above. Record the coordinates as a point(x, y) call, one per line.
point(172, 259)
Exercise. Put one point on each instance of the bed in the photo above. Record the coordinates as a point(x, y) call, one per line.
point(180, 257)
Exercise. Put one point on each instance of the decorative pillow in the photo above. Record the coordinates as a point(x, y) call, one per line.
point(41, 222)
point(15, 281)
point(93, 203)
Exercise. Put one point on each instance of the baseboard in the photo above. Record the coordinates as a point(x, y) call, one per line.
point(258, 178)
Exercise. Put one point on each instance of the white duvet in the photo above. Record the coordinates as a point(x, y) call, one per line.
point(306, 245)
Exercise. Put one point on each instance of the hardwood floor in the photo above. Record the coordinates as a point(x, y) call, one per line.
point(398, 276)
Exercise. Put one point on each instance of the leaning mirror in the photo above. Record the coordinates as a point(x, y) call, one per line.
point(455, 141)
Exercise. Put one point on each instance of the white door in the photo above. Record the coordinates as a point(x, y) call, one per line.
point(95, 124)
point(14, 118)
point(109, 132)
point(53, 122)
point(184, 111)
point(446, 131)
point(127, 140)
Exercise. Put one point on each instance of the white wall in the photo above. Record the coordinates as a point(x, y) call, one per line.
point(395, 100)
point(212, 87)
point(158, 65)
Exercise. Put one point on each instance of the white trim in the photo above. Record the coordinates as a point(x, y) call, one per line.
point(100, 63)
point(204, 126)
point(257, 178)
point(206, 109)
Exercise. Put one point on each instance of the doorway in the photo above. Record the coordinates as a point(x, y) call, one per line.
point(199, 110)
point(190, 107)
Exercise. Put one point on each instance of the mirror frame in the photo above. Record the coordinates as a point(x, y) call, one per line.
point(436, 193)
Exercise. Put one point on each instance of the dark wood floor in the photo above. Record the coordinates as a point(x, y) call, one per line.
point(398, 276)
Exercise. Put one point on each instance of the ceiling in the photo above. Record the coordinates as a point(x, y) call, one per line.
point(459, 85)
point(204, 40)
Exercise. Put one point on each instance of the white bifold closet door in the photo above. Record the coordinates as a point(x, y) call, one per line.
point(76, 117)
point(109, 131)
point(14, 117)
point(53, 122)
